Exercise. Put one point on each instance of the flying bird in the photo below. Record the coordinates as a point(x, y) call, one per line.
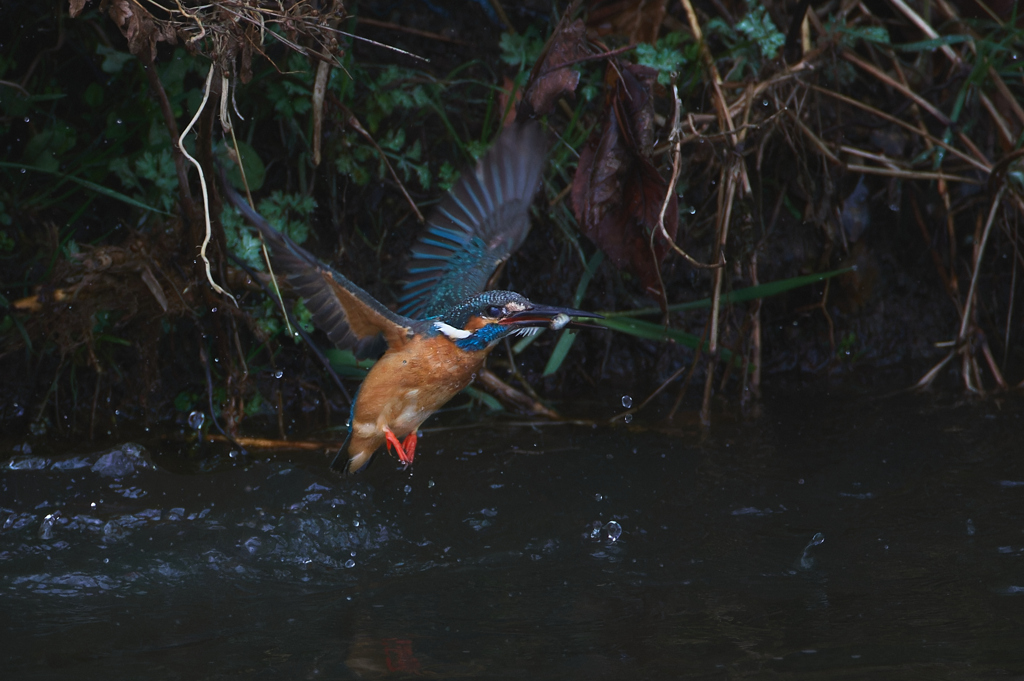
point(446, 323)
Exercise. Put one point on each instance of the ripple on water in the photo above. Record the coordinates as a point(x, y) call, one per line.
point(114, 520)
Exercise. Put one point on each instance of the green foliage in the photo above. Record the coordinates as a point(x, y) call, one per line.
point(113, 60)
point(186, 401)
point(287, 213)
point(591, 85)
point(758, 27)
point(291, 93)
point(521, 49)
point(344, 363)
point(847, 350)
point(152, 176)
point(255, 170)
point(253, 406)
point(5, 217)
point(44, 148)
point(447, 176)
point(393, 89)
point(267, 316)
point(303, 316)
point(665, 57)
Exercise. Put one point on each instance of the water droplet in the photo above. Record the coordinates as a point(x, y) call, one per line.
point(278, 374)
point(764, 102)
point(817, 539)
point(430, 483)
point(693, 211)
point(627, 401)
point(196, 420)
point(350, 563)
point(628, 418)
point(598, 497)
point(46, 527)
point(894, 207)
point(120, 122)
point(612, 530)
point(27, 119)
point(408, 489)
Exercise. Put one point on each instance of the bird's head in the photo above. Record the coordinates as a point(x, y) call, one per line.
point(483, 320)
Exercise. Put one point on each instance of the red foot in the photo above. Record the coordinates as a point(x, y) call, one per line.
point(409, 445)
point(405, 450)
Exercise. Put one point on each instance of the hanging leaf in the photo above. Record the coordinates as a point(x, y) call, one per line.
point(552, 76)
point(617, 192)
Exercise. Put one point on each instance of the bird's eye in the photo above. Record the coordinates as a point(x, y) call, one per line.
point(495, 312)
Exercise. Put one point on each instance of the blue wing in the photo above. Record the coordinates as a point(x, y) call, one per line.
point(477, 226)
point(350, 316)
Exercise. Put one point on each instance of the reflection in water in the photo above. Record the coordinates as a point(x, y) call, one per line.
point(563, 552)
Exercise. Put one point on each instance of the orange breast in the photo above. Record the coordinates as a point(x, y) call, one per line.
point(405, 387)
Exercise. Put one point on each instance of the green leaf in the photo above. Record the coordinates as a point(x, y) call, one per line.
point(113, 60)
point(255, 170)
point(345, 363)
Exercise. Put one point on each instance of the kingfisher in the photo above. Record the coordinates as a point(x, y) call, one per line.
point(446, 322)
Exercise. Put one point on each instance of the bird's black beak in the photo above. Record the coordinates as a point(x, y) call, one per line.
point(546, 316)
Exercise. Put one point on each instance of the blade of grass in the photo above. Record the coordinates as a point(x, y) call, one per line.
point(568, 337)
point(657, 332)
point(488, 400)
point(98, 188)
point(773, 288)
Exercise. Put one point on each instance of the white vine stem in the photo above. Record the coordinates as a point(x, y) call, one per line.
point(202, 183)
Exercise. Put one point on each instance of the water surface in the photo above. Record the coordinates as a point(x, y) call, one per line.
point(836, 537)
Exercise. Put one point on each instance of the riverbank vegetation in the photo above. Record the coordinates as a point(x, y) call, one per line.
point(748, 190)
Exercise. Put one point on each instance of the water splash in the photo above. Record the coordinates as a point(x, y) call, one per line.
point(806, 562)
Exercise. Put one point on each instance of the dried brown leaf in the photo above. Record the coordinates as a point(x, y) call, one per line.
point(617, 191)
point(552, 77)
point(75, 7)
point(137, 25)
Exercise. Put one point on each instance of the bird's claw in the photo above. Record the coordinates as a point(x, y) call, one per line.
point(405, 450)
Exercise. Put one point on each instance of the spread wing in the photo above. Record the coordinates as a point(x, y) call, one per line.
point(350, 316)
point(478, 225)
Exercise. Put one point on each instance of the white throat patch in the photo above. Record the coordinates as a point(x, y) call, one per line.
point(451, 331)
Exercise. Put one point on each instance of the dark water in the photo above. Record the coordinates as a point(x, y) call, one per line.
point(561, 552)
